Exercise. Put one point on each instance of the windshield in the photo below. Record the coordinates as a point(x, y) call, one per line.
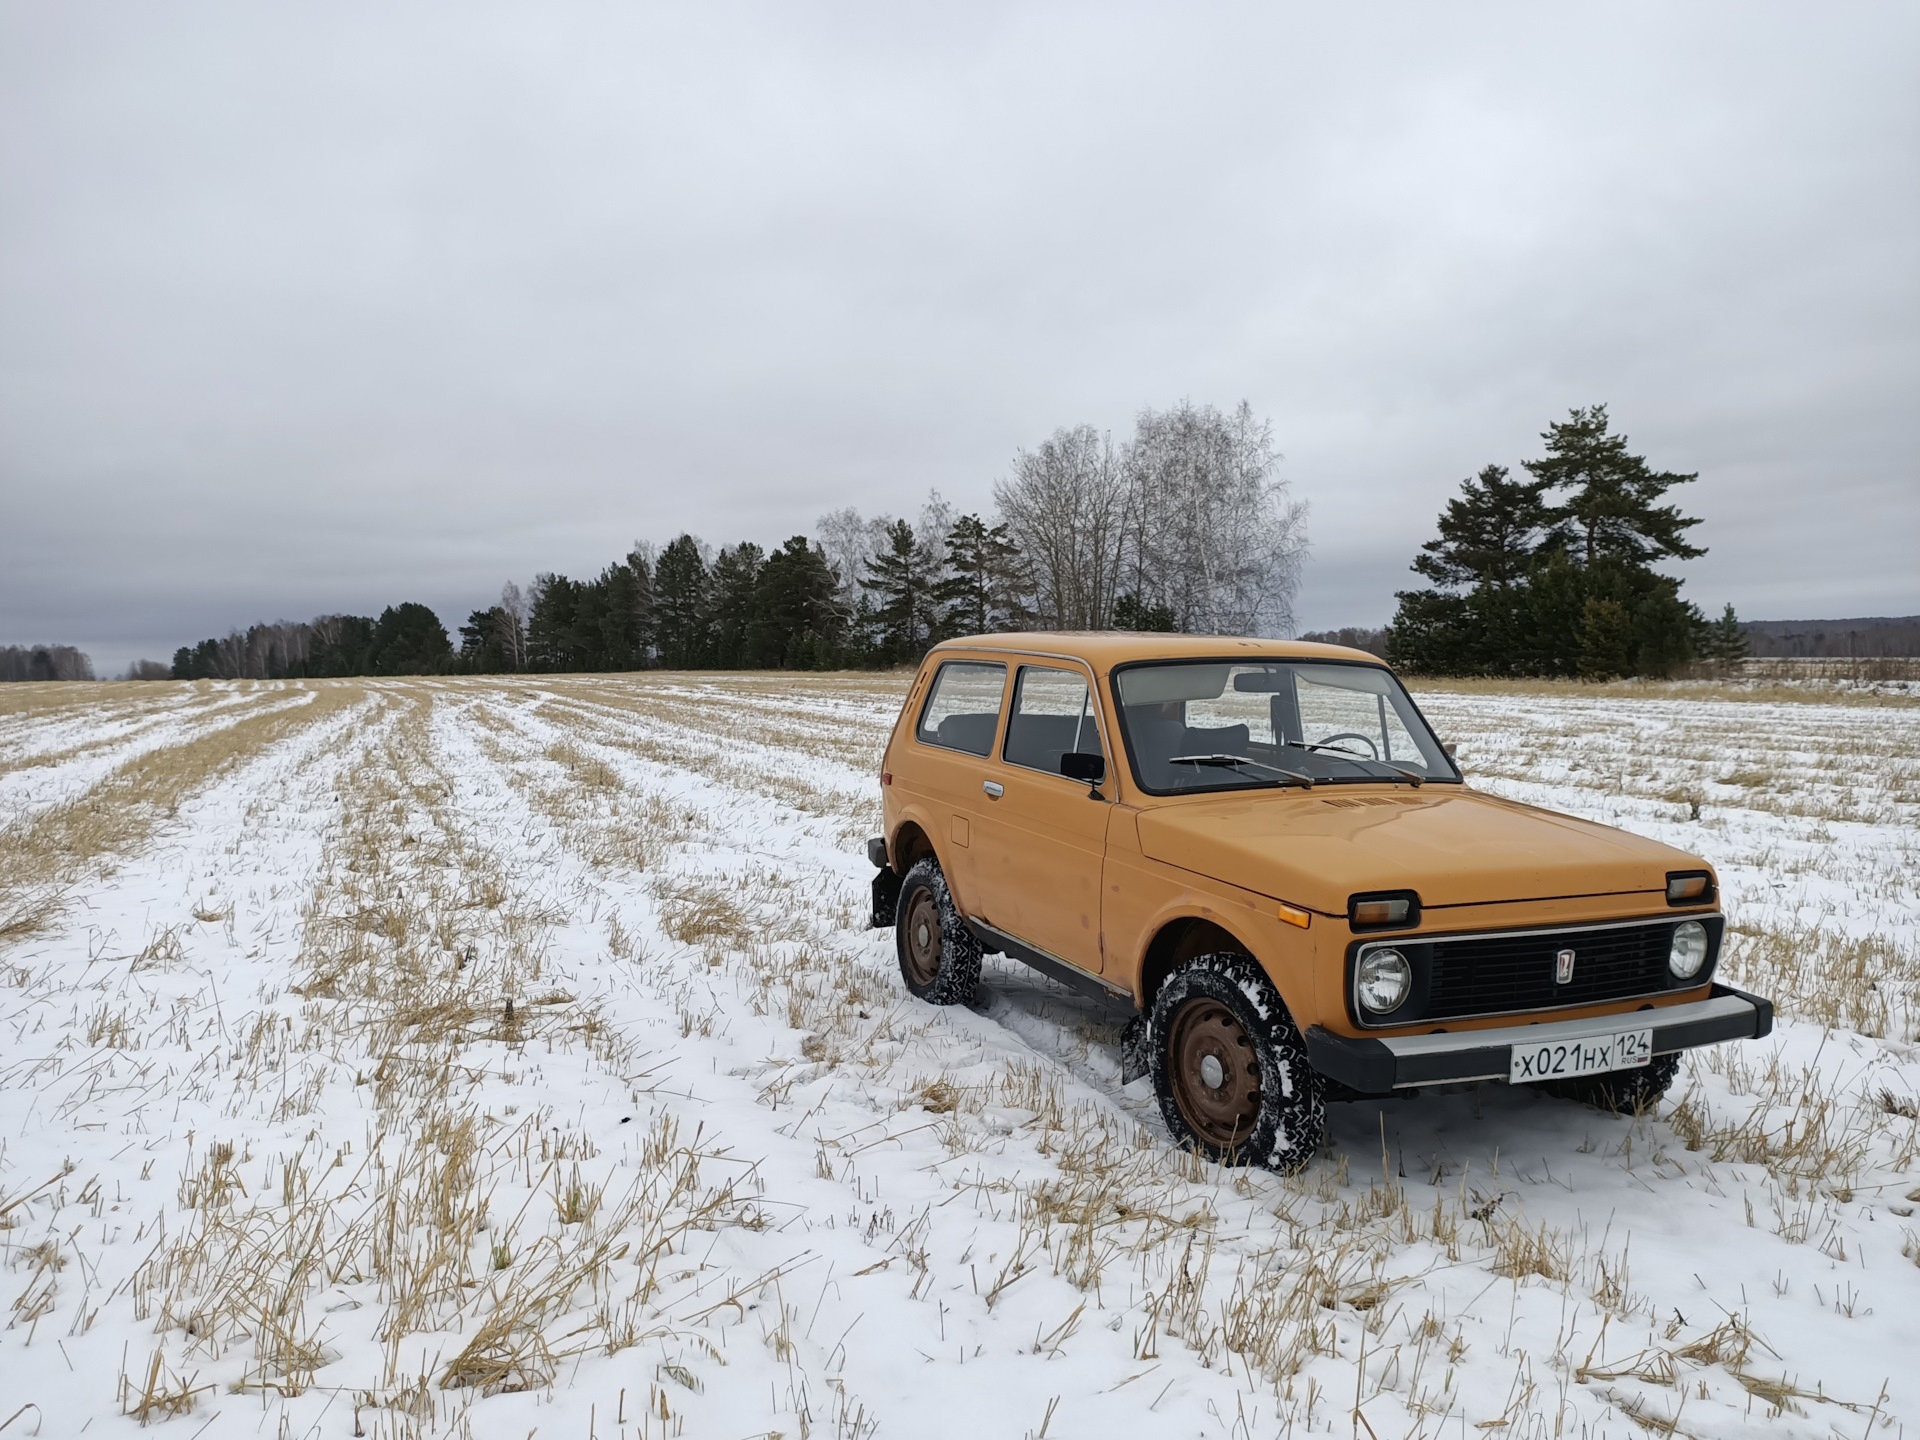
point(1329, 723)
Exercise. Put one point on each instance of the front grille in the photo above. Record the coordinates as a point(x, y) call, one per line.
point(1487, 974)
point(1467, 976)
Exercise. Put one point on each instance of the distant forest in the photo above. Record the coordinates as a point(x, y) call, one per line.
point(1184, 526)
point(44, 662)
point(1868, 638)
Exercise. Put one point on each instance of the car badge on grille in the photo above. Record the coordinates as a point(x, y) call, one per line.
point(1563, 967)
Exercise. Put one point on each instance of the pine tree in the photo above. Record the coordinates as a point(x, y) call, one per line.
point(1726, 639)
point(611, 614)
point(864, 641)
point(980, 591)
point(733, 597)
point(1608, 513)
point(342, 645)
point(481, 648)
point(1606, 639)
point(1607, 523)
point(904, 607)
point(1131, 613)
point(408, 639)
point(1488, 534)
point(640, 620)
point(680, 592)
point(798, 624)
point(1432, 633)
point(1535, 556)
point(550, 639)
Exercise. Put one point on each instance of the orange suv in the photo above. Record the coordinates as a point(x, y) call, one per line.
point(1259, 853)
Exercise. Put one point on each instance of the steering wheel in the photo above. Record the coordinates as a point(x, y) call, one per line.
point(1373, 750)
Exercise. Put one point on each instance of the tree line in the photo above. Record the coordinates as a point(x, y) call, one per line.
point(1553, 573)
point(44, 662)
point(1184, 526)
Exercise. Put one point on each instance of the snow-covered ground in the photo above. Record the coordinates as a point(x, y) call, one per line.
point(507, 1058)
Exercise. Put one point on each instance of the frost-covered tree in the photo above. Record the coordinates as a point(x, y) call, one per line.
point(1211, 534)
point(1065, 506)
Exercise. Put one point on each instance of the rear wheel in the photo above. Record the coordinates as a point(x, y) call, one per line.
point(939, 958)
point(1626, 1091)
point(1230, 1069)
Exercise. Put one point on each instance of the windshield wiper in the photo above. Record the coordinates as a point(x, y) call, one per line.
point(1223, 761)
point(1412, 777)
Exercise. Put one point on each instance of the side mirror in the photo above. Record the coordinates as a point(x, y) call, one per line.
point(1076, 765)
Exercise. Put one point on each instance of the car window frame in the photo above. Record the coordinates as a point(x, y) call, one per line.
point(1071, 667)
point(1000, 711)
point(1133, 769)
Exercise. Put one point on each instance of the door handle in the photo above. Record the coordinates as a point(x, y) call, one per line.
point(993, 788)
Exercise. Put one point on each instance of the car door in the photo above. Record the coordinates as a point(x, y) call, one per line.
point(1042, 840)
point(954, 738)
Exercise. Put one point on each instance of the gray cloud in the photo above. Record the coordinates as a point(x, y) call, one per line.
point(323, 307)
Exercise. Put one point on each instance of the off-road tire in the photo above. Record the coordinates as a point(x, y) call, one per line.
point(1626, 1091)
point(939, 957)
point(1267, 1109)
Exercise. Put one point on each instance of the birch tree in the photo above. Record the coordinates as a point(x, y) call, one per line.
point(1210, 532)
point(1065, 508)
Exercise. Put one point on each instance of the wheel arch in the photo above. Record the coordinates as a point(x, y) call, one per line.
point(1179, 940)
point(910, 845)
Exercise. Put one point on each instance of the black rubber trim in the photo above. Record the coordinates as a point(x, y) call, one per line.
point(1073, 977)
point(1365, 1065)
point(1371, 1067)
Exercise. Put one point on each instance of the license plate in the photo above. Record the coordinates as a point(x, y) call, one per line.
point(1592, 1056)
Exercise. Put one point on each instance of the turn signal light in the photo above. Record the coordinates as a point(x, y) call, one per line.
point(1294, 915)
point(1379, 912)
point(1689, 889)
point(1384, 912)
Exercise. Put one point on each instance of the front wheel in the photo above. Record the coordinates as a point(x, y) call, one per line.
point(1230, 1068)
point(939, 957)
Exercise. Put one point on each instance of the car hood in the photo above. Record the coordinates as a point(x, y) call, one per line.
point(1452, 846)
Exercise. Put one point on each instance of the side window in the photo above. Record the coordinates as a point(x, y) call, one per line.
point(963, 707)
point(1052, 716)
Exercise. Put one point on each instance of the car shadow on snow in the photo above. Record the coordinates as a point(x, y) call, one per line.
point(1488, 1132)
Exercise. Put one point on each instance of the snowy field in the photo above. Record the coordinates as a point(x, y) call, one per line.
point(505, 1058)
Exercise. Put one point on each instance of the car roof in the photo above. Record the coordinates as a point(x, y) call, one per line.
point(1104, 649)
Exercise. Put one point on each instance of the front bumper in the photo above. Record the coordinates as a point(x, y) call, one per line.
point(1377, 1066)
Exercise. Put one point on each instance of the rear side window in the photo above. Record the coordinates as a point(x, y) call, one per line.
point(1052, 716)
point(963, 707)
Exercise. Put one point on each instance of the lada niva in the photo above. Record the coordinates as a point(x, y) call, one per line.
point(1259, 852)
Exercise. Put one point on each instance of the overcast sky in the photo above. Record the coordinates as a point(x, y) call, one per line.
point(321, 307)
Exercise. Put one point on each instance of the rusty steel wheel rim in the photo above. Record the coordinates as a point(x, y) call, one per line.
point(923, 938)
point(1215, 1075)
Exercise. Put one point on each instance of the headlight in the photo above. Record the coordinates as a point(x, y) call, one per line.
point(1689, 950)
point(1385, 977)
